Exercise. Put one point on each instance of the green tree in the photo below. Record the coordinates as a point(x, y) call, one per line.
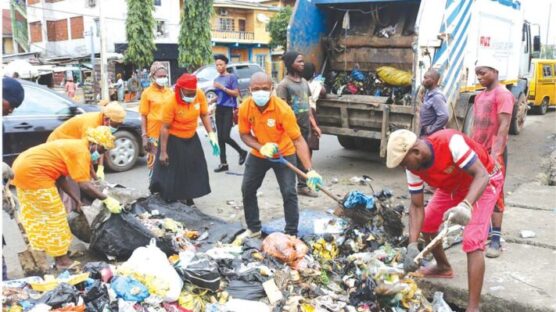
point(139, 29)
point(278, 27)
point(194, 44)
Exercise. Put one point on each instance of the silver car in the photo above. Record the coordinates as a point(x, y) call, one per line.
point(206, 75)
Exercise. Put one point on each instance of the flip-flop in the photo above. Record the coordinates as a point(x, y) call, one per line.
point(427, 273)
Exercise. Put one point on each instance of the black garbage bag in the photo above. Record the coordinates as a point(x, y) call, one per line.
point(63, 294)
point(118, 235)
point(240, 289)
point(191, 218)
point(95, 269)
point(79, 226)
point(96, 298)
point(201, 271)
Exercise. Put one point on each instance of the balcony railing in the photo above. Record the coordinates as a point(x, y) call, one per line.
point(232, 35)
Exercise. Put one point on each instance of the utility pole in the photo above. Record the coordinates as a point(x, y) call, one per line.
point(547, 30)
point(103, 59)
point(92, 34)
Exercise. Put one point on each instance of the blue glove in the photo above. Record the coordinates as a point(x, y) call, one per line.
point(214, 143)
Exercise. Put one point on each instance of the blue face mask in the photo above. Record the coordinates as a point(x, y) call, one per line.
point(95, 156)
point(261, 97)
point(112, 129)
point(188, 99)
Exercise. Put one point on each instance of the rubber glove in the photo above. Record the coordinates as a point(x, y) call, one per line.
point(269, 150)
point(314, 180)
point(214, 143)
point(112, 204)
point(100, 172)
point(460, 214)
point(408, 264)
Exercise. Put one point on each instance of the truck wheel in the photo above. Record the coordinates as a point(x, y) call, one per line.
point(125, 153)
point(367, 145)
point(518, 116)
point(347, 142)
point(541, 109)
point(468, 123)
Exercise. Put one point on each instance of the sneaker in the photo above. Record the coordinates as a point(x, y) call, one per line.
point(242, 157)
point(493, 250)
point(221, 168)
point(306, 191)
point(238, 241)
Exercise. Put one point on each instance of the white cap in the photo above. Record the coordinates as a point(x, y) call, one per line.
point(487, 61)
point(399, 143)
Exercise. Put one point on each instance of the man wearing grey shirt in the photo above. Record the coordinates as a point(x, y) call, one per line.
point(434, 111)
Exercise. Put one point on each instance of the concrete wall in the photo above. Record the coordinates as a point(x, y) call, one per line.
point(115, 12)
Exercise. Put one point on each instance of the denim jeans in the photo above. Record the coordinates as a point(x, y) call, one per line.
point(253, 176)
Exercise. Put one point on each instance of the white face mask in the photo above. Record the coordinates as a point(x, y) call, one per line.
point(261, 97)
point(162, 81)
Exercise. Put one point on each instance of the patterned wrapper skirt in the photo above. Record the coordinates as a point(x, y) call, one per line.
point(151, 157)
point(44, 219)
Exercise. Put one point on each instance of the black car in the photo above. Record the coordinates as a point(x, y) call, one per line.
point(43, 110)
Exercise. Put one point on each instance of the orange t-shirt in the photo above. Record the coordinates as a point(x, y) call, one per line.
point(276, 124)
point(183, 118)
point(153, 100)
point(40, 166)
point(76, 127)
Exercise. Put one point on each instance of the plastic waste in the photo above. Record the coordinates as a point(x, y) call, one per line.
point(63, 294)
point(129, 289)
point(150, 266)
point(98, 270)
point(438, 303)
point(394, 76)
point(311, 222)
point(96, 297)
point(79, 226)
point(201, 271)
point(239, 305)
point(356, 199)
point(527, 234)
point(193, 299)
point(285, 248)
point(248, 290)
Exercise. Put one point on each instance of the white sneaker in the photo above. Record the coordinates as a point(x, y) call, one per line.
point(247, 234)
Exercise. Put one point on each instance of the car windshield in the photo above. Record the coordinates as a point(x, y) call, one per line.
point(42, 102)
point(207, 73)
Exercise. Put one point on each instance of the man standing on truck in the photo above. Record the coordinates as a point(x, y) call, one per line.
point(434, 111)
point(492, 114)
point(294, 89)
point(467, 183)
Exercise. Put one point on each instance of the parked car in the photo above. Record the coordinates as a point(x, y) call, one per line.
point(542, 88)
point(206, 75)
point(43, 110)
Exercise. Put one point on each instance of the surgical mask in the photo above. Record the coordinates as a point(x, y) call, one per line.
point(95, 156)
point(187, 99)
point(261, 97)
point(161, 81)
point(112, 129)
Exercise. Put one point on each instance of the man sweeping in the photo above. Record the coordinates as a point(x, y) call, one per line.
point(268, 125)
point(467, 183)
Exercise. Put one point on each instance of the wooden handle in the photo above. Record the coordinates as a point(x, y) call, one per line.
point(304, 176)
point(439, 237)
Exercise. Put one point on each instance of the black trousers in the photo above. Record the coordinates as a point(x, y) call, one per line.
point(224, 124)
point(253, 176)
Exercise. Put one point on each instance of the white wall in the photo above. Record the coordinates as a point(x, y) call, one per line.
point(115, 12)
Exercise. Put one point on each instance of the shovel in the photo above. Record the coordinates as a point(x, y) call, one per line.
point(435, 241)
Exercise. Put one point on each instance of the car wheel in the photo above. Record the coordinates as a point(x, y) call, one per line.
point(347, 142)
point(518, 117)
point(541, 109)
point(210, 95)
point(125, 152)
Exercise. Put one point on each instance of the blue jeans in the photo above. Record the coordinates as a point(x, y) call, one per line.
point(253, 176)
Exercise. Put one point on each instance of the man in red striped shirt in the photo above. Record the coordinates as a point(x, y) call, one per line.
point(467, 183)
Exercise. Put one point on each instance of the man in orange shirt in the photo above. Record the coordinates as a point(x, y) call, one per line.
point(39, 170)
point(153, 99)
point(268, 125)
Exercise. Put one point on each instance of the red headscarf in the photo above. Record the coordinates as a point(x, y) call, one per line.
point(187, 82)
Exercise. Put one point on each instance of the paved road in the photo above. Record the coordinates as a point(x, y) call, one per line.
point(526, 154)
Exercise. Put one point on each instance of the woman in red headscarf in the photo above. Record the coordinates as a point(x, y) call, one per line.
point(180, 170)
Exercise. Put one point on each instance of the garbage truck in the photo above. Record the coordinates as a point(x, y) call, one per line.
point(356, 45)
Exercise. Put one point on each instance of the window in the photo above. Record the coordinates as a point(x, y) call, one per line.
point(57, 30)
point(241, 24)
point(35, 29)
point(547, 70)
point(206, 74)
point(97, 26)
point(161, 29)
point(246, 71)
point(39, 102)
point(261, 60)
point(77, 27)
point(226, 24)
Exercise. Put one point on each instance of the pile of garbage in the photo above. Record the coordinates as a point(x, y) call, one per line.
point(387, 82)
point(193, 262)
